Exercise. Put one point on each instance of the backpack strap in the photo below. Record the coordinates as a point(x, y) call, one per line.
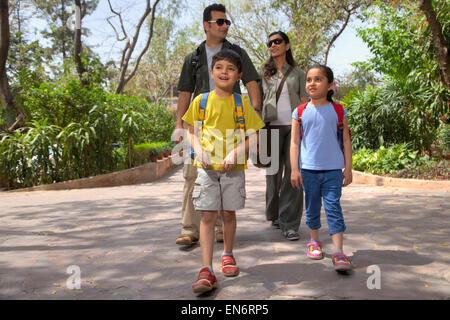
point(201, 116)
point(339, 109)
point(300, 110)
point(202, 107)
point(340, 125)
point(202, 110)
point(340, 113)
point(239, 109)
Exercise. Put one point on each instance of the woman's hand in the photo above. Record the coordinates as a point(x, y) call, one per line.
point(296, 179)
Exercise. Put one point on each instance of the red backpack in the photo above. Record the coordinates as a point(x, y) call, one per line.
point(340, 125)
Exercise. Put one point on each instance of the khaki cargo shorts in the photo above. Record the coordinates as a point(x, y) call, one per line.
point(216, 190)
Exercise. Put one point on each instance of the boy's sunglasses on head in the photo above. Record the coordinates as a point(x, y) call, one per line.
point(276, 41)
point(221, 22)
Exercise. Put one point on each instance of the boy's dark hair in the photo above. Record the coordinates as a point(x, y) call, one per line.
point(228, 55)
point(329, 74)
point(213, 7)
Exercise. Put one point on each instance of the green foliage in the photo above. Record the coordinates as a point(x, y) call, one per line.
point(387, 160)
point(143, 151)
point(62, 104)
point(407, 104)
point(73, 131)
point(315, 24)
point(401, 41)
point(357, 79)
point(444, 137)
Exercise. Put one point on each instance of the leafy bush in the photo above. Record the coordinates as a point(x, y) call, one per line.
point(72, 132)
point(407, 104)
point(143, 151)
point(444, 137)
point(387, 160)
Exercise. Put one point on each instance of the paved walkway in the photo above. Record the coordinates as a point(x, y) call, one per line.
point(123, 241)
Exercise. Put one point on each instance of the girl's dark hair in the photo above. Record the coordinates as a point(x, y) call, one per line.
point(228, 55)
point(328, 73)
point(269, 67)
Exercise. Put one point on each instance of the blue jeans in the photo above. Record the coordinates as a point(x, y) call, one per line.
point(326, 185)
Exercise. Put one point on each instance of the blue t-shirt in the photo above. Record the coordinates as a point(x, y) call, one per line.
point(320, 146)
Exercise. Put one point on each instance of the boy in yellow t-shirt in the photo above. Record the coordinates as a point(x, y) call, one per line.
point(221, 160)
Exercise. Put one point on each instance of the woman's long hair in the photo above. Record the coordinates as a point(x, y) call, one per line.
point(269, 67)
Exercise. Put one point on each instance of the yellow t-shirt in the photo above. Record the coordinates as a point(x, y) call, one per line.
point(221, 132)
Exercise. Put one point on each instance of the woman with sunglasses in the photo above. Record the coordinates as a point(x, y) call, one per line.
point(283, 89)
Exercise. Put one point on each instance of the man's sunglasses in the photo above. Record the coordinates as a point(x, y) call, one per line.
point(276, 41)
point(221, 22)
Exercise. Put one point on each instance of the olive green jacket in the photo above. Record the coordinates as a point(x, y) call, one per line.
point(268, 88)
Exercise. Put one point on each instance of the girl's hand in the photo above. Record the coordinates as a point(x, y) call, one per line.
point(296, 179)
point(230, 161)
point(348, 177)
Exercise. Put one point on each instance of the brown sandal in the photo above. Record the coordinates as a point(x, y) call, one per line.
point(186, 240)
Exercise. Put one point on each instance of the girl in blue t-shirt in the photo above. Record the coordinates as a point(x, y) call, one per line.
point(319, 169)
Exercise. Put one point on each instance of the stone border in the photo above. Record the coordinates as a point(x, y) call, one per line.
point(155, 170)
point(365, 178)
point(148, 172)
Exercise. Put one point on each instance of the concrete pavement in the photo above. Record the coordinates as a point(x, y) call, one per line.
point(122, 242)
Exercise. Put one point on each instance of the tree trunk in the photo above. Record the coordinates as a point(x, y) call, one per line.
point(78, 46)
point(441, 46)
point(5, 92)
point(327, 52)
point(6, 96)
point(130, 46)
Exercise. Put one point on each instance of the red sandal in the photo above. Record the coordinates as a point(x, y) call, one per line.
point(229, 267)
point(206, 281)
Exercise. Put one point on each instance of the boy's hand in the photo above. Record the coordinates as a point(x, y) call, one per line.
point(230, 161)
point(204, 159)
point(296, 179)
point(348, 177)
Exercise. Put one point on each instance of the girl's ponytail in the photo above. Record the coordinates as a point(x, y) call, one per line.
point(330, 95)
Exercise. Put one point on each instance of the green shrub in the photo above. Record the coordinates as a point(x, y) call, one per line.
point(444, 137)
point(387, 160)
point(143, 151)
point(72, 131)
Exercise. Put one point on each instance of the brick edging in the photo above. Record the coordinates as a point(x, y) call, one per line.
point(148, 172)
point(365, 178)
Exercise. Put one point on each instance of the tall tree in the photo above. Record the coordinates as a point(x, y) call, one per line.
point(78, 46)
point(57, 13)
point(440, 44)
point(130, 45)
point(6, 96)
point(161, 65)
point(317, 24)
point(253, 36)
point(24, 53)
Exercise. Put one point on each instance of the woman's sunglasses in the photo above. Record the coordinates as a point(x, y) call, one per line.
point(221, 22)
point(276, 41)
